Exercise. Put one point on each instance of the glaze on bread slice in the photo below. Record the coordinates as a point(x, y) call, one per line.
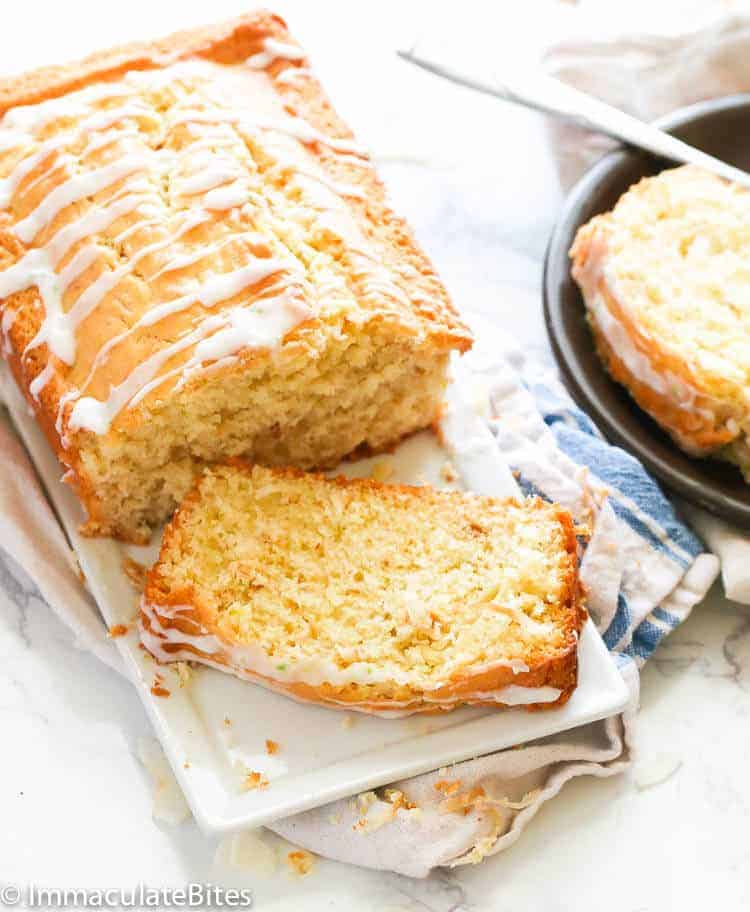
point(358, 595)
point(197, 262)
point(666, 280)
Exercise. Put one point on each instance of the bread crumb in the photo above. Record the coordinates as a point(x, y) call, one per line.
point(300, 861)
point(158, 689)
point(377, 812)
point(366, 800)
point(461, 803)
point(254, 781)
point(227, 721)
point(135, 572)
point(184, 673)
point(447, 788)
point(448, 472)
point(77, 567)
point(186, 765)
point(118, 630)
point(476, 799)
point(272, 747)
point(382, 470)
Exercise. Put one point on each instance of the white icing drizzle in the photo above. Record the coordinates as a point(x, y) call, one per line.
point(291, 74)
point(218, 338)
point(206, 180)
point(229, 197)
point(358, 160)
point(105, 119)
point(188, 259)
point(40, 381)
point(257, 326)
point(92, 297)
point(274, 50)
point(209, 294)
point(37, 268)
point(292, 126)
point(221, 287)
point(337, 188)
point(251, 662)
point(12, 139)
point(106, 138)
point(9, 185)
point(30, 118)
point(6, 324)
point(74, 189)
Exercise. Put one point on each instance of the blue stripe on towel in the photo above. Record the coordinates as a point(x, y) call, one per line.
point(666, 617)
point(554, 410)
point(647, 637)
point(528, 488)
point(663, 545)
point(621, 623)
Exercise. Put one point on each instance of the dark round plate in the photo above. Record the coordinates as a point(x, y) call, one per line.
point(720, 127)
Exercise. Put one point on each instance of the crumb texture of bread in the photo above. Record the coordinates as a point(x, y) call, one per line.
point(197, 261)
point(666, 280)
point(367, 596)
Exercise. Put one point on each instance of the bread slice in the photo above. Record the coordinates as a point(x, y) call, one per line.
point(197, 261)
point(666, 280)
point(364, 596)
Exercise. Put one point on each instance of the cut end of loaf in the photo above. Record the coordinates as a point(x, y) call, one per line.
point(369, 596)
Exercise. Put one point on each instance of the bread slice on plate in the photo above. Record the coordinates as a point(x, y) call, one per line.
point(358, 595)
point(666, 280)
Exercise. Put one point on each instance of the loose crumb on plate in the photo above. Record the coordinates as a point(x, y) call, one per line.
point(254, 780)
point(118, 630)
point(272, 747)
point(157, 688)
point(448, 472)
point(227, 721)
point(382, 470)
point(184, 673)
point(447, 788)
point(300, 861)
point(135, 572)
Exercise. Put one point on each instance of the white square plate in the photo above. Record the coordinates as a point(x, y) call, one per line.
point(214, 729)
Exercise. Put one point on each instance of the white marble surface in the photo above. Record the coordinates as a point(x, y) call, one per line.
point(477, 182)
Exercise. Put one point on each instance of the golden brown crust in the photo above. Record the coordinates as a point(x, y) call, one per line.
point(558, 668)
point(430, 311)
point(225, 42)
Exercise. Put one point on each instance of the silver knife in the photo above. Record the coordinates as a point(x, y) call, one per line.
point(534, 89)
